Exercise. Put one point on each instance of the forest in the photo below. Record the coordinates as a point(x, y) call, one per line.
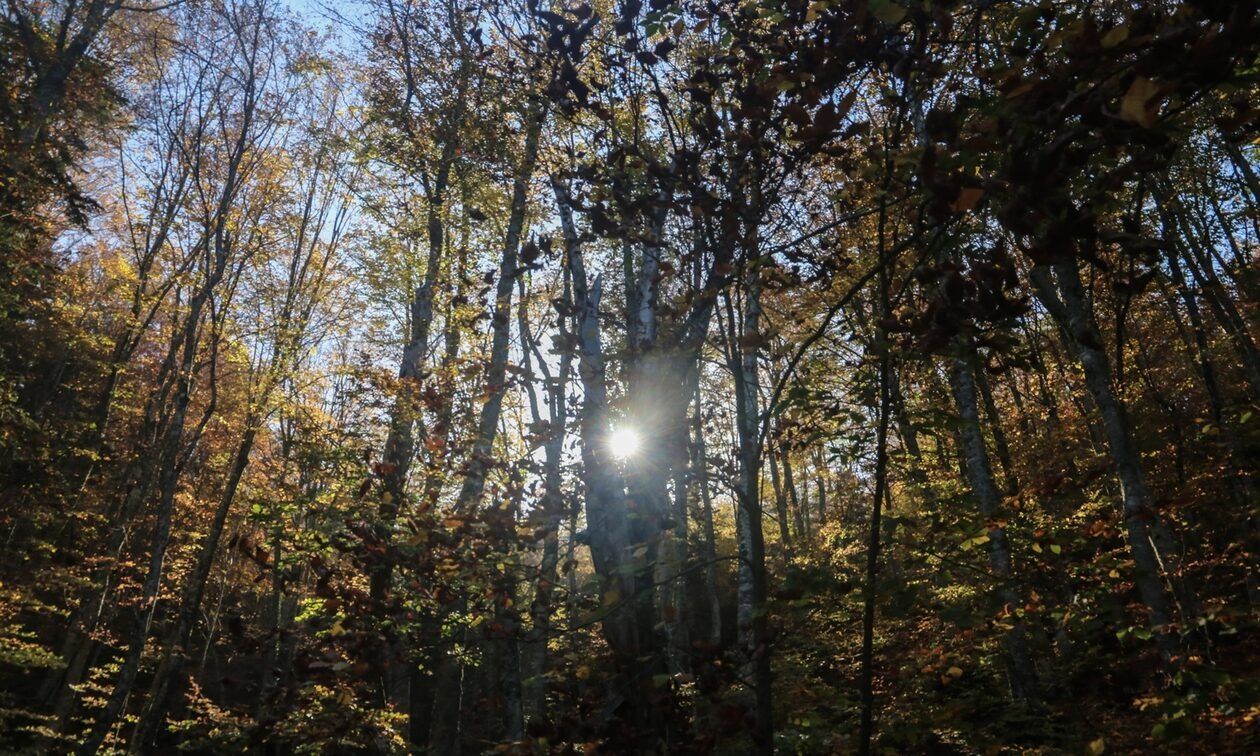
point(630, 376)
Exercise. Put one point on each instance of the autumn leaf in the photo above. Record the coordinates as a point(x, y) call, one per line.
point(967, 199)
point(888, 11)
point(1140, 104)
point(1115, 37)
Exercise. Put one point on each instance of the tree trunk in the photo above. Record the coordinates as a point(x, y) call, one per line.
point(1021, 672)
point(710, 540)
point(534, 655)
point(176, 644)
point(753, 622)
point(1000, 445)
point(172, 450)
point(501, 322)
point(607, 532)
point(866, 681)
point(1154, 552)
point(780, 505)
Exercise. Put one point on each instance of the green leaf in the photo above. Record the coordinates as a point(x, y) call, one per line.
point(888, 11)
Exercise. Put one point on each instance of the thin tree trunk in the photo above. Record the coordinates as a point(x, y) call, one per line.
point(1000, 445)
point(172, 449)
point(607, 533)
point(867, 673)
point(753, 622)
point(1021, 672)
point(710, 540)
point(798, 512)
point(534, 657)
point(177, 641)
point(780, 505)
point(501, 321)
point(1154, 552)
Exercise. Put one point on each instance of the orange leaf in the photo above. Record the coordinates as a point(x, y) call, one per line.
point(967, 199)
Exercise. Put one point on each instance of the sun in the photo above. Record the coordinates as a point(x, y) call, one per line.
point(623, 443)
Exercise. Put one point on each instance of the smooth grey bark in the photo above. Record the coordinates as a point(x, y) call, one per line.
point(706, 524)
point(1155, 554)
point(480, 457)
point(608, 534)
point(780, 504)
point(651, 396)
point(481, 454)
point(393, 670)
point(866, 690)
point(400, 447)
point(551, 507)
point(753, 589)
point(612, 535)
point(1021, 672)
point(1000, 445)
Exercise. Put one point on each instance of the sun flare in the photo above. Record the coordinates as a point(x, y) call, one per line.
point(623, 443)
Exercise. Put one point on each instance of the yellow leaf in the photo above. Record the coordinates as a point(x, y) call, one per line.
point(1096, 747)
point(583, 672)
point(815, 8)
point(1140, 104)
point(954, 672)
point(1115, 36)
